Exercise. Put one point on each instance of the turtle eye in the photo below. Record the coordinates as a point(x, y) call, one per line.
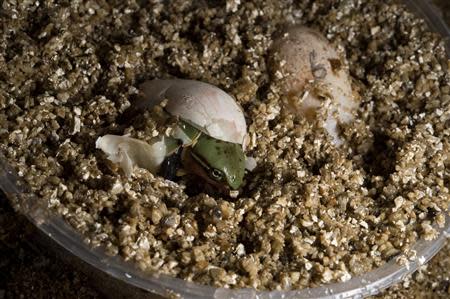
point(216, 174)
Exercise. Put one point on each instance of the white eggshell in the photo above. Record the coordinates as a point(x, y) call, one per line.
point(203, 105)
point(130, 152)
point(250, 163)
point(304, 56)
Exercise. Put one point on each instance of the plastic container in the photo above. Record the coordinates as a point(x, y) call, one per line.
point(118, 279)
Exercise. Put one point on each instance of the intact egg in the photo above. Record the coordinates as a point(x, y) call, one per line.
point(310, 73)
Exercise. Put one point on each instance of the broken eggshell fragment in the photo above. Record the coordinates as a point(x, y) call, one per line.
point(310, 69)
point(130, 152)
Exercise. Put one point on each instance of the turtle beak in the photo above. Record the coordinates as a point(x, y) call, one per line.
point(234, 184)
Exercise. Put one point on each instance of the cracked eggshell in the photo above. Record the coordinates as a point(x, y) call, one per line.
point(203, 105)
point(130, 152)
point(305, 62)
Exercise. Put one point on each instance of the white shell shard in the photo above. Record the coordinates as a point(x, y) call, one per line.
point(250, 163)
point(203, 105)
point(130, 152)
point(305, 60)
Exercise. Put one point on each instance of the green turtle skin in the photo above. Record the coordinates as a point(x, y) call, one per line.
point(223, 161)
